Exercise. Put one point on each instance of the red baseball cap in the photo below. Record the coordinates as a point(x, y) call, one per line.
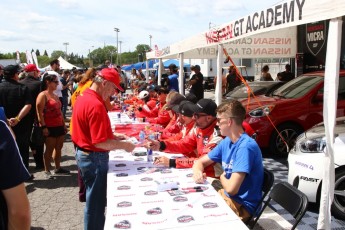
point(31, 68)
point(112, 75)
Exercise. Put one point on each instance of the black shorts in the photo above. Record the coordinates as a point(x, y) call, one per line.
point(56, 131)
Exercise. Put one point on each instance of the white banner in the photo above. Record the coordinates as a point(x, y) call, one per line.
point(283, 15)
point(34, 57)
point(29, 58)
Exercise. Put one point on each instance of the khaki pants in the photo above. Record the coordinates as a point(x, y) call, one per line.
point(236, 207)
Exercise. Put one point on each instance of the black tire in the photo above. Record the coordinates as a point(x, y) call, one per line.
point(338, 206)
point(290, 133)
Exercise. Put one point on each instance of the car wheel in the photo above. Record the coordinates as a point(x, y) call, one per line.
point(338, 206)
point(290, 133)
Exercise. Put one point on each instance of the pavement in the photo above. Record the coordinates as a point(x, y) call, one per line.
point(55, 203)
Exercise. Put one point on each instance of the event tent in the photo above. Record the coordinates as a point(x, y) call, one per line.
point(173, 61)
point(285, 14)
point(64, 64)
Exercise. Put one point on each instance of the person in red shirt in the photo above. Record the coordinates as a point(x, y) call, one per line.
point(202, 139)
point(94, 138)
point(174, 125)
point(185, 119)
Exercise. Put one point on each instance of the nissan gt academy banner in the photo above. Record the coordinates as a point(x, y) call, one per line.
point(283, 15)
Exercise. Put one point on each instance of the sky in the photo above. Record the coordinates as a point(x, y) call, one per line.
point(87, 25)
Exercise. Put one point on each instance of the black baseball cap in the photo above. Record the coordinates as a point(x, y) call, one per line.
point(11, 70)
point(206, 106)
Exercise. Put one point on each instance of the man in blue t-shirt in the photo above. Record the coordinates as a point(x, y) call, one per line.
point(241, 161)
point(14, 203)
point(173, 78)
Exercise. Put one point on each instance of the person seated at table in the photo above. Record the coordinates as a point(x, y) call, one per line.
point(174, 125)
point(241, 159)
point(185, 119)
point(159, 115)
point(165, 115)
point(199, 142)
point(148, 103)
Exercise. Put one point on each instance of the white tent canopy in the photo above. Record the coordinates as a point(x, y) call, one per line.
point(64, 64)
point(280, 16)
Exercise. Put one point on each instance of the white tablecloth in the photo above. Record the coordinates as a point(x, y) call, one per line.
point(134, 202)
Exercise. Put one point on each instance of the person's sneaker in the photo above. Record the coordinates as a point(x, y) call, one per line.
point(61, 171)
point(48, 175)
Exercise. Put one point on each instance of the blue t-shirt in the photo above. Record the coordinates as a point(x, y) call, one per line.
point(242, 156)
point(12, 169)
point(173, 82)
point(2, 114)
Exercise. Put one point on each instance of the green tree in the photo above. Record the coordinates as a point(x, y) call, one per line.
point(43, 61)
point(57, 53)
point(45, 53)
point(37, 53)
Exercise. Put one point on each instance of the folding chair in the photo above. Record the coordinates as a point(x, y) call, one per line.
point(266, 187)
point(290, 198)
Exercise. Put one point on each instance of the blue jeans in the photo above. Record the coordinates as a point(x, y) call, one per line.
point(93, 167)
point(64, 105)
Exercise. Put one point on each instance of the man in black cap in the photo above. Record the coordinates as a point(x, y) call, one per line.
point(196, 82)
point(16, 100)
point(33, 83)
point(202, 139)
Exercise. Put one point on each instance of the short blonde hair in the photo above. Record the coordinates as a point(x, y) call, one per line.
point(233, 109)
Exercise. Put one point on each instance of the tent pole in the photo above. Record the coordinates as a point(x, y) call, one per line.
point(218, 91)
point(181, 75)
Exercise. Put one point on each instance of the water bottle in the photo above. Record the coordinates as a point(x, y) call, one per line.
point(149, 155)
point(141, 136)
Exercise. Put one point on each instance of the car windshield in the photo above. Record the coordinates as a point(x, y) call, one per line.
point(298, 87)
point(242, 91)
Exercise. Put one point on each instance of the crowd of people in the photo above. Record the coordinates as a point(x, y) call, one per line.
point(215, 140)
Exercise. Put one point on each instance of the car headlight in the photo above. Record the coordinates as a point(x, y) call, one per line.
point(261, 111)
point(315, 145)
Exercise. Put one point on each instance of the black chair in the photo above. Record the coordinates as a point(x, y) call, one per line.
point(266, 187)
point(290, 198)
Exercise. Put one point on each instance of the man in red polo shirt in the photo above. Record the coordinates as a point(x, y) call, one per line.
point(94, 138)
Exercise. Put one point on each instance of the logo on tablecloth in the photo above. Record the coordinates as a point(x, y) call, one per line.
point(124, 204)
point(139, 159)
point(210, 205)
point(164, 171)
point(124, 187)
point(120, 165)
point(180, 199)
point(189, 175)
point(154, 211)
point(125, 224)
point(150, 193)
point(122, 174)
point(185, 219)
point(146, 179)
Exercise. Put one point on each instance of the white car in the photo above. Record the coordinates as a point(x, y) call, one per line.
point(306, 165)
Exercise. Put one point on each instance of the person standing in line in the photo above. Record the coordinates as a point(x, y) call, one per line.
point(232, 80)
point(14, 203)
point(55, 67)
point(94, 138)
point(241, 160)
point(196, 82)
point(265, 75)
point(173, 78)
point(34, 84)
point(64, 92)
point(51, 120)
point(16, 100)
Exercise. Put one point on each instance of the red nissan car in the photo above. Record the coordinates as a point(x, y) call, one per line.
point(293, 108)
